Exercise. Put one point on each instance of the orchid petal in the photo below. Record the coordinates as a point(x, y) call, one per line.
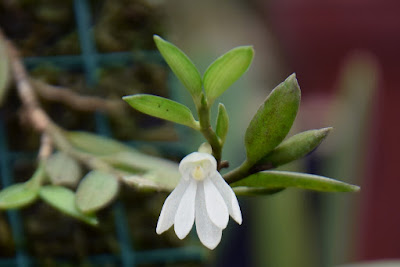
point(215, 205)
point(168, 211)
point(184, 217)
point(229, 196)
point(196, 157)
point(209, 234)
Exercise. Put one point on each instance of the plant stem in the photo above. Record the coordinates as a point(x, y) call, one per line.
point(239, 173)
point(75, 100)
point(208, 132)
point(62, 143)
point(52, 133)
point(38, 177)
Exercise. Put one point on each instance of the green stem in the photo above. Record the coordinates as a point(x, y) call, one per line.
point(38, 177)
point(239, 173)
point(207, 131)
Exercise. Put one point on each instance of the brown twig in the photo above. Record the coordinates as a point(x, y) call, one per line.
point(46, 147)
point(52, 134)
point(37, 116)
point(74, 100)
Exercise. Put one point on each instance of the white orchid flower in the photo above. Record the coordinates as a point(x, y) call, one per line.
point(202, 195)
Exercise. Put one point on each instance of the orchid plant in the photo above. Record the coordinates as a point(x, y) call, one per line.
point(200, 194)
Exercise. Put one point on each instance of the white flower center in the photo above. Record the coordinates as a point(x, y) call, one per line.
point(198, 173)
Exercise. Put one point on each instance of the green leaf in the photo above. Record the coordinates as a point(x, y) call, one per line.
point(162, 108)
point(63, 199)
point(17, 196)
point(4, 72)
point(63, 170)
point(273, 120)
point(181, 65)
point(96, 190)
point(22, 194)
point(222, 123)
point(146, 183)
point(295, 147)
point(255, 191)
point(226, 70)
point(95, 144)
point(162, 172)
point(283, 179)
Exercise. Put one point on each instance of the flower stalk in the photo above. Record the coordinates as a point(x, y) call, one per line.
point(205, 128)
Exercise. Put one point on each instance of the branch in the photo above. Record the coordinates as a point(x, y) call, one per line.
point(74, 100)
point(40, 120)
point(46, 147)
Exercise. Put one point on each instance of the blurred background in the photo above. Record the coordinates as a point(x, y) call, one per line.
point(345, 55)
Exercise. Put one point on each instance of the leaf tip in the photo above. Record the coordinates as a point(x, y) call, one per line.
point(325, 131)
point(93, 222)
point(292, 84)
point(249, 48)
point(157, 38)
point(292, 79)
point(125, 98)
point(355, 188)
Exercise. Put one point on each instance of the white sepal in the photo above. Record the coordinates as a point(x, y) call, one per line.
point(215, 205)
point(184, 217)
point(209, 234)
point(171, 204)
point(229, 196)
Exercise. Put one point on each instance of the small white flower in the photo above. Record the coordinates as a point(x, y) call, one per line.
point(202, 195)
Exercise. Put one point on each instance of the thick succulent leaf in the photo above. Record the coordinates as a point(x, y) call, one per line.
point(96, 190)
point(226, 70)
point(161, 172)
point(4, 72)
point(181, 65)
point(147, 182)
point(295, 147)
point(63, 170)
point(18, 196)
point(63, 199)
point(283, 179)
point(222, 123)
point(95, 144)
point(162, 108)
point(273, 120)
point(22, 194)
point(255, 191)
